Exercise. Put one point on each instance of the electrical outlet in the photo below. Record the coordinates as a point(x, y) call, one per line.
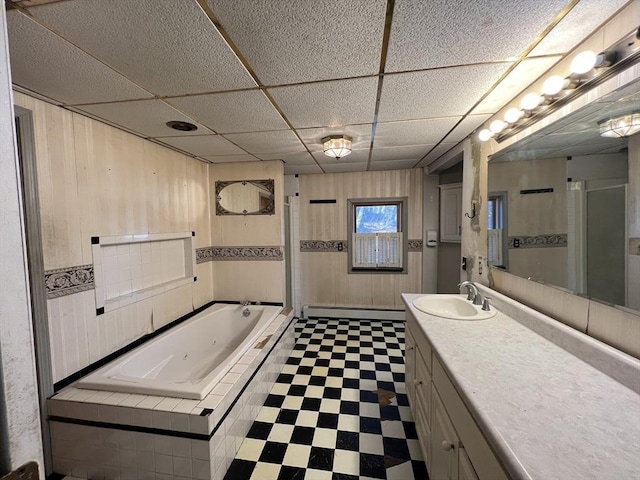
point(464, 263)
point(516, 243)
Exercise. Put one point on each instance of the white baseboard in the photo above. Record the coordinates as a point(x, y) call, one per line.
point(311, 311)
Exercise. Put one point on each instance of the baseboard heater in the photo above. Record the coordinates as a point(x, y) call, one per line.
point(312, 311)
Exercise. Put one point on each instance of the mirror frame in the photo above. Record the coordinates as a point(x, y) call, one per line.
point(268, 185)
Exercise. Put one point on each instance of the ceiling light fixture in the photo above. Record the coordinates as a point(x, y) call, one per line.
point(513, 115)
point(337, 146)
point(583, 62)
point(623, 126)
point(497, 126)
point(530, 101)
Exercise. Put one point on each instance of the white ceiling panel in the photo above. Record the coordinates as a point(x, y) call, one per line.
point(301, 169)
point(281, 141)
point(45, 63)
point(414, 153)
point(166, 49)
point(585, 17)
point(436, 153)
point(336, 103)
point(417, 132)
point(298, 158)
point(356, 156)
point(393, 165)
point(145, 117)
point(435, 34)
point(230, 158)
point(345, 167)
point(515, 82)
point(202, 145)
point(436, 93)
point(360, 134)
point(468, 125)
point(305, 40)
point(232, 112)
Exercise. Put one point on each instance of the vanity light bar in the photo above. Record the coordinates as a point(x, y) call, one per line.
point(587, 70)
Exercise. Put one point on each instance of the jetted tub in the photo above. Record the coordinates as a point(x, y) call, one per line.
point(186, 361)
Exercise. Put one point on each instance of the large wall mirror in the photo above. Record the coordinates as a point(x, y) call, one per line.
point(245, 197)
point(558, 204)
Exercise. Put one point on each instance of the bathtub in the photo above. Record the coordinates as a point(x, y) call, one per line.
point(186, 361)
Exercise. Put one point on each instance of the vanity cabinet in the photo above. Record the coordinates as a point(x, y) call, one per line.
point(453, 446)
point(451, 212)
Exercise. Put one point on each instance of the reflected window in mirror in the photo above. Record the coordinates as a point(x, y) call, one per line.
point(497, 229)
point(245, 197)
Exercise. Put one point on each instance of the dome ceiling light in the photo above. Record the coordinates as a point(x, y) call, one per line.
point(337, 146)
point(622, 126)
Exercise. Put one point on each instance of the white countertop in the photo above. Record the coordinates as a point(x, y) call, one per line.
point(548, 414)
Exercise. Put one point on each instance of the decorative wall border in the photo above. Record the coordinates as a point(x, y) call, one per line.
point(323, 245)
point(415, 245)
point(66, 281)
point(253, 253)
point(539, 241)
point(343, 246)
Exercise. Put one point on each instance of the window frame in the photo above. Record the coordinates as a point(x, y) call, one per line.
point(402, 203)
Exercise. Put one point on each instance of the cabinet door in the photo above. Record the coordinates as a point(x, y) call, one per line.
point(450, 213)
point(465, 469)
point(444, 447)
point(423, 384)
point(410, 367)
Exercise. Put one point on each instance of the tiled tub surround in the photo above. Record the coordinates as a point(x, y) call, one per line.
point(546, 413)
point(131, 268)
point(99, 434)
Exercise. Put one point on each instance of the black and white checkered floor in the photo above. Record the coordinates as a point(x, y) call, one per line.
point(338, 411)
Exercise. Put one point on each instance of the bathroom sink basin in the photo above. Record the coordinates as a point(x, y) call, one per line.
point(454, 307)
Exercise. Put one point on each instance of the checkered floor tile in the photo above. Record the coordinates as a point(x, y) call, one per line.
point(338, 411)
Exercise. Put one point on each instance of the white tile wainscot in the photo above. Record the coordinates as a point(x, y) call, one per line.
point(541, 399)
point(131, 268)
point(97, 434)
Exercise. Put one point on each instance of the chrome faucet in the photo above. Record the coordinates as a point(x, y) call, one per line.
point(246, 312)
point(472, 292)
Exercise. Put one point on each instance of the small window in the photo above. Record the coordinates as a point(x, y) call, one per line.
point(377, 243)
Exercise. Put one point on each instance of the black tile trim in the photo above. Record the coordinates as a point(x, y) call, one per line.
point(195, 279)
point(206, 412)
point(95, 240)
point(235, 302)
point(131, 428)
point(193, 234)
point(99, 311)
point(127, 348)
point(55, 476)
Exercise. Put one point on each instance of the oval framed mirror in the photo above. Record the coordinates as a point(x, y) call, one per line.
point(245, 197)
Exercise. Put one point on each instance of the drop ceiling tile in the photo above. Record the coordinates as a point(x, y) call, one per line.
point(305, 40)
point(168, 47)
point(336, 103)
point(466, 127)
point(436, 153)
point(360, 134)
point(417, 132)
point(435, 34)
point(356, 156)
point(525, 73)
point(202, 145)
point(436, 93)
point(301, 169)
point(393, 165)
point(45, 63)
point(229, 158)
point(232, 112)
point(415, 153)
point(281, 141)
point(297, 158)
point(145, 117)
point(583, 19)
point(345, 167)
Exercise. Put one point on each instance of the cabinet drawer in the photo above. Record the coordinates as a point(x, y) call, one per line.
point(480, 454)
point(420, 340)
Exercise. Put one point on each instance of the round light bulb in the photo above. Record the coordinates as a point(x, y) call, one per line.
point(497, 126)
point(553, 85)
point(513, 115)
point(583, 62)
point(485, 135)
point(530, 101)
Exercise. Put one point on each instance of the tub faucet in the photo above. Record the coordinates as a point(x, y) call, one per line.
point(246, 312)
point(472, 292)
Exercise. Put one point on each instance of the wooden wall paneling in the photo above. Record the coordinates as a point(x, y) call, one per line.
point(57, 188)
